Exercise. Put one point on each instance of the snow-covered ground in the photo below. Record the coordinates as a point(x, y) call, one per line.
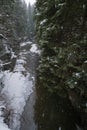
point(16, 88)
point(3, 126)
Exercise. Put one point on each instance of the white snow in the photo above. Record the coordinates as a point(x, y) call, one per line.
point(3, 126)
point(38, 14)
point(25, 43)
point(34, 49)
point(43, 21)
point(1, 74)
point(20, 61)
point(85, 61)
point(77, 75)
point(12, 54)
point(62, 4)
point(17, 86)
point(20, 65)
point(19, 68)
point(5, 64)
point(16, 91)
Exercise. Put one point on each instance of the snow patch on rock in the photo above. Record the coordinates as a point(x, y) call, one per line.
point(34, 49)
point(25, 43)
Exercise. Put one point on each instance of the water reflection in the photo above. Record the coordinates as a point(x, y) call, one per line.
point(54, 113)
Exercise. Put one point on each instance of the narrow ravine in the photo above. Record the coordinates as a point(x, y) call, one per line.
point(44, 111)
point(28, 105)
point(27, 118)
point(27, 64)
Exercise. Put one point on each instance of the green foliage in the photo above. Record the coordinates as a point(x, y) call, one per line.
point(61, 27)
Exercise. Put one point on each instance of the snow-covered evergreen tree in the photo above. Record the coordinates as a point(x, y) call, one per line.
point(61, 27)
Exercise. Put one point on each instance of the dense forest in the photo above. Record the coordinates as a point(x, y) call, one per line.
point(16, 21)
point(61, 31)
point(59, 27)
point(16, 36)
